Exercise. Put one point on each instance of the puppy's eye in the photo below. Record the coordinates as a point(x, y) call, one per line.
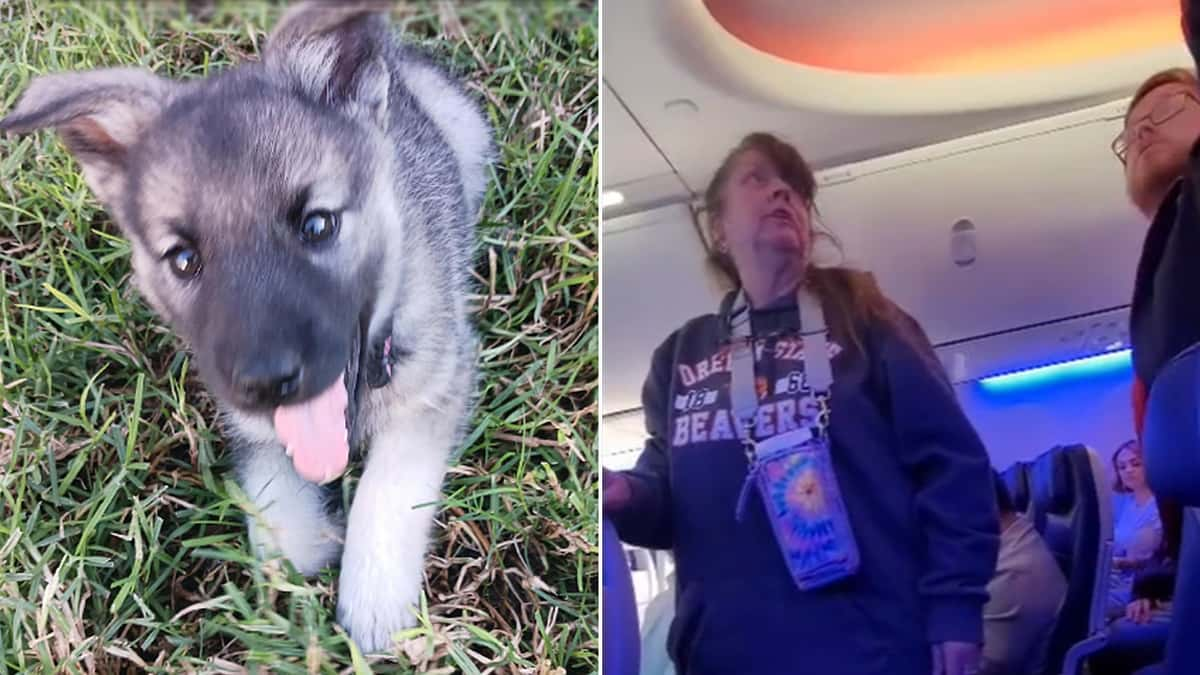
point(184, 261)
point(318, 226)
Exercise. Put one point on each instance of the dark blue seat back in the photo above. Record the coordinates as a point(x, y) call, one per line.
point(622, 646)
point(1070, 506)
point(1183, 647)
point(1171, 445)
point(1171, 435)
point(1016, 479)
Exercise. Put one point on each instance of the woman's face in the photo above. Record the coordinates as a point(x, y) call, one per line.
point(1129, 469)
point(761, 215)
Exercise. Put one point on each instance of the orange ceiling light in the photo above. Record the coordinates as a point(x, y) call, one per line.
point(956, 37)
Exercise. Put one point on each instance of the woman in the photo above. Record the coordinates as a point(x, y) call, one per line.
point(1143, 576)
point(920, 532)
point(1137, 530)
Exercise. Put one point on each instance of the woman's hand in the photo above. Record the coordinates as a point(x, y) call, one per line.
point(617, 490)
point(1139, 611)
point(956, 658)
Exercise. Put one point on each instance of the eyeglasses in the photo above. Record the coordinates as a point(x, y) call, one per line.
point(1165, 110)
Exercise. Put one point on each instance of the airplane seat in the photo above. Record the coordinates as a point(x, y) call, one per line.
point(1070, 499)
point(1171, 447)
point(621, 646)
point(1171, 435)
point(647, 579)
point(1016, 479)
point(656, 626)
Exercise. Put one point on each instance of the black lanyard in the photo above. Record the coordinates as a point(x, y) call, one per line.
point(818, 371)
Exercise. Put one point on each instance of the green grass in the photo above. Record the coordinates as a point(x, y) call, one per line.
point(122, 544)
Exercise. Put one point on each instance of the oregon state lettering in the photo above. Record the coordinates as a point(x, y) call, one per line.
point(786, 403)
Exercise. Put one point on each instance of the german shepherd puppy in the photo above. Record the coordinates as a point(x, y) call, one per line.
point(306, 225)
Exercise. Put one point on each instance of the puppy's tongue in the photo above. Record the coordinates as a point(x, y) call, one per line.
point(314, 433)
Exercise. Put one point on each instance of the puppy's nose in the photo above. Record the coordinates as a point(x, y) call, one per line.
point(268, 380)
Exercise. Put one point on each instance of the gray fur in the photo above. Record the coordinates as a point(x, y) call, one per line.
point(338, 111)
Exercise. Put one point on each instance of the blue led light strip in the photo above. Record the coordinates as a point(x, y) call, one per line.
point(1043, 375)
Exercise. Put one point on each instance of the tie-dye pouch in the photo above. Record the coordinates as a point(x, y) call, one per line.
point(795, 477)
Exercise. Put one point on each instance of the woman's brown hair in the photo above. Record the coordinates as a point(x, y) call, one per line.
point(854, 295)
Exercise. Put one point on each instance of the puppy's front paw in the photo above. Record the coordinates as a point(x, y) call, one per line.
point(310, 545)
point(376, 599)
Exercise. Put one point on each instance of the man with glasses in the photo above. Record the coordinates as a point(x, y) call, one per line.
point(1159, 149)
point(1156, 147)
point(1161, 126)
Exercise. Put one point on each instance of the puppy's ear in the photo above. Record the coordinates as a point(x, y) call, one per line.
point(332, 52)
point(100, 115)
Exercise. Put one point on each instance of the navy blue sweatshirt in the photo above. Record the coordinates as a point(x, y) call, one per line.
point(1164, 315)
point(913, 473)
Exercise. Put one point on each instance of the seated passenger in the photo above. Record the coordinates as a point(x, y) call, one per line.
point(1138, 638)
point(1137, 529)
point(1025, 596)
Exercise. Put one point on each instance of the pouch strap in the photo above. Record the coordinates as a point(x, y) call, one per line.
point(743, 394)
